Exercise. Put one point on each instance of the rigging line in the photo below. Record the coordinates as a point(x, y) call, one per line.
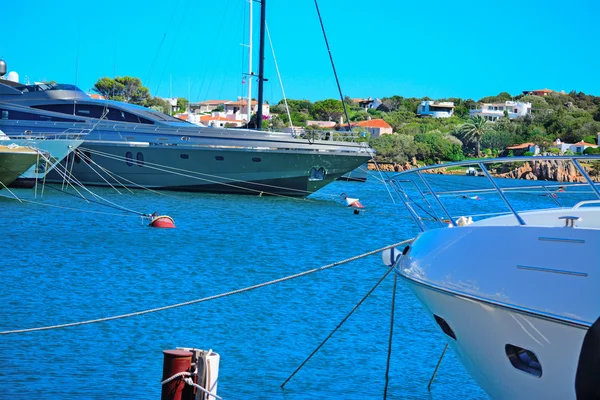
point(153, 64)
point(175, 41)
point(96, 196)
point(287, 109)
point(437, 366)
point(187, 173)
point(117, 207)
point(39, 203)
point(220, 56)
point(106, 171)
point(82, 156)
point(64, 174)
point(338, 326)
point(389, 355)
point(333, 66)
point(204, 299)
point(380, 174)
point(112, 175)
point(10, 191)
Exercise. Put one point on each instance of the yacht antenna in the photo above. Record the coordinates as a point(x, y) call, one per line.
point(261, 66)
point(333, 66)
point(249, 64)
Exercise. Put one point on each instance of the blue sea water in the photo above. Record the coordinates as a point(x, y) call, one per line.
point(66, 260)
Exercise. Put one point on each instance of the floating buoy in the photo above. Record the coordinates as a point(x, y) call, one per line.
point(350, 202)
point(162, 221)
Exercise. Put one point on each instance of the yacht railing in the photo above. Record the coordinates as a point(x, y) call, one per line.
point(434, 193)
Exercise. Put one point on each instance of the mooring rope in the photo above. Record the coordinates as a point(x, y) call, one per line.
point(338, 326)
point(204, 299)
point(62, 207)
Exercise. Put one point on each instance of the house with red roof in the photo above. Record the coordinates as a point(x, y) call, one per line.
point(540, 92)
point(376, 127)
point(578, 147)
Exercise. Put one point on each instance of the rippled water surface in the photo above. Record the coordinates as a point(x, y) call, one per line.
point(61, 265)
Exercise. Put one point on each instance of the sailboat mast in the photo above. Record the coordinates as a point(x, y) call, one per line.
point(261, 65)
point(249, 64)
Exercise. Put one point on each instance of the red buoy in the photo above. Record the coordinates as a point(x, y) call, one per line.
point(162, 221)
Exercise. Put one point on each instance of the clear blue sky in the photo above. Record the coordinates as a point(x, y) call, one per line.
point(381, 48)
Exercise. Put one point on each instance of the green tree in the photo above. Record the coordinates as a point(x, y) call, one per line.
point(327, 110)
point(474, 131)
point(128, 89)
point(182, 104)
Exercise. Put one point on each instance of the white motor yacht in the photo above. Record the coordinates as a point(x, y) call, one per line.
point(508, 270)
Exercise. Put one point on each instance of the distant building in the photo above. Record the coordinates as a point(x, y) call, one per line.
point(541, 92)
point(436, 109)
point(367, 103)
point(376, 127)
point(321, 124)
point(578, 147)
point(520, 149)
point(206, 106)
point(493, 111)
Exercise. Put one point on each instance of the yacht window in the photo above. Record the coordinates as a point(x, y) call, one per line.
point(445, 327)
point(77, 158)
point(184, 156)
point(524, 360)
point(219, 158)
point(129, 158)
point(116, 114)
point(89, 110)
point(87, 157)
point(15, 115)
point(140, 159)
point(256, 159)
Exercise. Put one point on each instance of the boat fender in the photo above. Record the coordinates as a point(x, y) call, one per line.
point(390, 256)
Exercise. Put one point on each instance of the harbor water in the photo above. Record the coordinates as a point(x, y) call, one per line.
point(65, 260)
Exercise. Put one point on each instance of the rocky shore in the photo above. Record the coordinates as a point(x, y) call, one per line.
point(543, 170)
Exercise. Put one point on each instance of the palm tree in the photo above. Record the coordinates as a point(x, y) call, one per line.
point(474, 130)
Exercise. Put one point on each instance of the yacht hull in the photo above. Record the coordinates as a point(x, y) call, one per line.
point(500, 288)
point(205, 169)
point(482, 332)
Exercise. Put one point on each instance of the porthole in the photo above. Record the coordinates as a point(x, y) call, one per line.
point(140, 159)
point(129, 158)
point(256, 159)
point(445, 327)
point(219, 158)
point(185, 138)
point(524, 360)
point(184, 156)
point(316, 174)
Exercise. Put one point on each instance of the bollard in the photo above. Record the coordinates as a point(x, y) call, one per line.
point(176, 361)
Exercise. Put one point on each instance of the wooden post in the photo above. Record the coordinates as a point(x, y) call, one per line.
point(176, 361)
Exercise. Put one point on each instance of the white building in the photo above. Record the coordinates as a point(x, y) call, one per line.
point(436, 109)
point(368, 103)
point(238, 110)
point(578, 147)
point(494, 111)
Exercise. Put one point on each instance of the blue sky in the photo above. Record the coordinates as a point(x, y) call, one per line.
point(381, 48)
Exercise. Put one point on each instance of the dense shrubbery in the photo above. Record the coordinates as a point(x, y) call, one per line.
point(570, 117)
